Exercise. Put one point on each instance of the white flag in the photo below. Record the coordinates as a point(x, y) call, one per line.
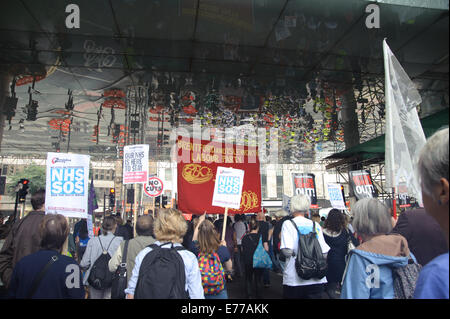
point(404, 133)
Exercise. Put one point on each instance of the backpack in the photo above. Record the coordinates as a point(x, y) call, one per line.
point(212, 273)
point(309, 260)
point(100, 277)
point(119, 283)
point(162, 274)
point(405, 279)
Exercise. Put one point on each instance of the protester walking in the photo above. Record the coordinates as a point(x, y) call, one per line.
point(264, 233)
point(81, 239)
point(213, 259)
point(426, 240)
point(47, 274)
point(253, 276)
point(433, 282)
point(24, 237)
point(295, 287)
point(279, 259)
point(165, 269)
point(123, 230)
point(230, 235)
point(240, 229)
point(144, 231)
point(338, 237)
point(369, 273)
point(105, 244)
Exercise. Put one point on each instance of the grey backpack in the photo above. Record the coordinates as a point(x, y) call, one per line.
point(405, 279)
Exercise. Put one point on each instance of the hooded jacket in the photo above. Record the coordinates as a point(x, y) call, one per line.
point(369, 270)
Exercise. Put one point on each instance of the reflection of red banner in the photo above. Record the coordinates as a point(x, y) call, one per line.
point(305, 184)
point(197, 166)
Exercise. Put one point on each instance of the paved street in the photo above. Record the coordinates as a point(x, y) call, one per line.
point(275, 291)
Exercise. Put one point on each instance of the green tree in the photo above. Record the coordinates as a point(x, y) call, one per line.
point(34, 173)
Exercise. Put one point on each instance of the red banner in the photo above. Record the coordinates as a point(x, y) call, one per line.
point(197, 165)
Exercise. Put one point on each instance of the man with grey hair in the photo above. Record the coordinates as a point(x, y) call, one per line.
point(295, 287)
point(433, 282)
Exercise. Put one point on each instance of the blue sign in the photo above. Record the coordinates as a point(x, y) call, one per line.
point(335, 194)
point(67, 181)
point(228, 185)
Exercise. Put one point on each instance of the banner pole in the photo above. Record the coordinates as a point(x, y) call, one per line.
point(224, 223)
point(394, 204)
point(65, 248)
point(135, 209)
point(141, 203)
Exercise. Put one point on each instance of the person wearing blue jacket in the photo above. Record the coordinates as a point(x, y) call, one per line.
point(433, 282)
point(368, 274)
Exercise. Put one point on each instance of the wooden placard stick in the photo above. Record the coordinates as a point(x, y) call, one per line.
point(224, 223)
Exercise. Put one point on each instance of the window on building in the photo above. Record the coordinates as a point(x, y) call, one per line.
point(263, 185)
point(279, 183)
point(168, 174)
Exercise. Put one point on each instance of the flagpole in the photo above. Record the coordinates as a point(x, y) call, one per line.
point(388, 106)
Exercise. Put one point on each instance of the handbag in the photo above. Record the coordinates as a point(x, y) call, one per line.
point(119, 283)
point(261, 258)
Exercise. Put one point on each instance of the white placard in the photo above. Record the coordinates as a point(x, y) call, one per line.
point(336, 197)
point(135, 164)
point(228, 187)
point(67, 185)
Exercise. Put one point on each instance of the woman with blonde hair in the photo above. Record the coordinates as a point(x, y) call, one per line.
point(162, 267)
point(213, 257)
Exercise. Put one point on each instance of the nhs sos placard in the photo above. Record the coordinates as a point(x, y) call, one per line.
point(67, 184)
point(154, 187)
point(228, 187)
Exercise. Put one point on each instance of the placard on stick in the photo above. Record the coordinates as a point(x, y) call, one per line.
point(336, 196)
point(67, 185)
point(228, 190)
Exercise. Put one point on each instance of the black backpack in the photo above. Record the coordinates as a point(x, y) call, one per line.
point(162, 274)
point(100, 277)
point(309, 260)
point(119, 282)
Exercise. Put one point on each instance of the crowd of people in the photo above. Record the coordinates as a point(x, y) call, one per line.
point(363, 254)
